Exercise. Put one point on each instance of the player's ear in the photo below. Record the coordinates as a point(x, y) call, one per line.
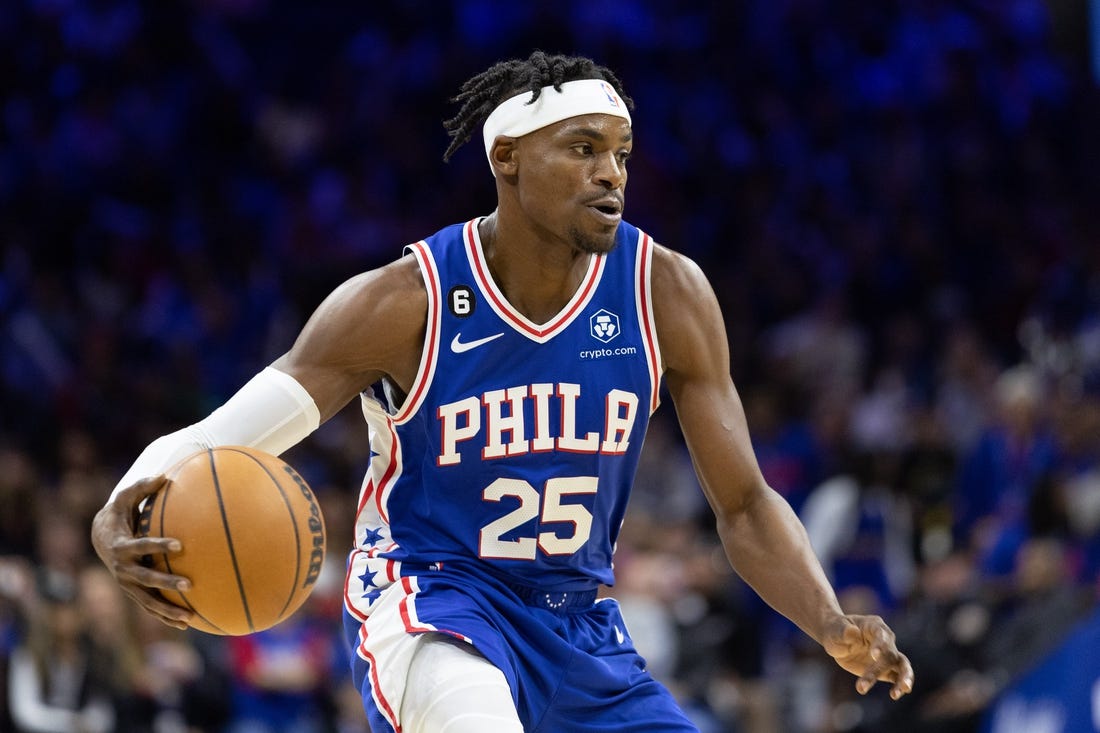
point(502, 156)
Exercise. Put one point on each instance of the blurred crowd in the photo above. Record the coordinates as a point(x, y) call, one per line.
point(896, 202)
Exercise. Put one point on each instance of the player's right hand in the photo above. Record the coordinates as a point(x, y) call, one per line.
point(121, 550)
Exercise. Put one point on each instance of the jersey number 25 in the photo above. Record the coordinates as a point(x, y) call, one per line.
point(491, 544)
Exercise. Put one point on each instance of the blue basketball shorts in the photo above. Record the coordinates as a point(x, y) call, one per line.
point(568, 657)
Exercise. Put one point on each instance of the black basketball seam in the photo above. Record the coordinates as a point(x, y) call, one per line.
point(229, 540)
point(293, 523)
point(168, 565)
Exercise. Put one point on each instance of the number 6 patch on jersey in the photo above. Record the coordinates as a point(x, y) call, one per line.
point(461, 301)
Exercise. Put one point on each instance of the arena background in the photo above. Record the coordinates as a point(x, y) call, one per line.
point(898, 203)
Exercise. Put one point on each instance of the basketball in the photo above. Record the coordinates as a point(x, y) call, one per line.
point(252, 533)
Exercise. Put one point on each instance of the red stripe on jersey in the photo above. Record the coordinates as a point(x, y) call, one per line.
point(406, 584)
point(647, 327)
point(368, 491)
point(348, 603)
point(432, 347)
point(376, 688)
point(503, 306)
point(391, 469)
point(379, 551)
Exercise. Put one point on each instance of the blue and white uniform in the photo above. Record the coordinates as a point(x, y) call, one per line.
point(497, 488)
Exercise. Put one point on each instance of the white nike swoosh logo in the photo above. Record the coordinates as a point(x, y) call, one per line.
point(619, 635)
point(459, 346)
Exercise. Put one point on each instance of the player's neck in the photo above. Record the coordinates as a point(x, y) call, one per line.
point(538, 277)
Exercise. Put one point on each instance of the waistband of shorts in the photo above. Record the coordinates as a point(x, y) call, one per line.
point(564, 601)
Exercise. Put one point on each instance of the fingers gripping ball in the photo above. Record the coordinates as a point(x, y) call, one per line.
point(252, 533)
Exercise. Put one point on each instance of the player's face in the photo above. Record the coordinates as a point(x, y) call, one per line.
point(572, 179)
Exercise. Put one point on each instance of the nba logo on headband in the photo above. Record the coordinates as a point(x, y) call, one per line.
point(519, 115)
point(611, 95)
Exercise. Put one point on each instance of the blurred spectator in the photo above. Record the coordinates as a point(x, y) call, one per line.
point(926, 474)
point(822, 349)
point(861, 529)
point(61, 548)
point(720, 669)
point(971, 643)
point(964, 391)
point(281, 678)
point(784, 441)
point(1043, 607)
point(160, 681)
point(944, 627)
point(666, 486)
point(56, 681)
point(18, 598)
point(1081, 497)
point(999, 475)
point(18, 483)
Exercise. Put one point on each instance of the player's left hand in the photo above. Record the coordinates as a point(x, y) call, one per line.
point(865, 646)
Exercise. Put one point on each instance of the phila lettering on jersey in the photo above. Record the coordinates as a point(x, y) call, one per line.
point(515, 449)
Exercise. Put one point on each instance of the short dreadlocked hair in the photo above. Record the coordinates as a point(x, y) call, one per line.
point(481, 94)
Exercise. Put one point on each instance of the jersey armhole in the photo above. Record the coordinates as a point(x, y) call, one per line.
point(643, 294)
point(429, 355)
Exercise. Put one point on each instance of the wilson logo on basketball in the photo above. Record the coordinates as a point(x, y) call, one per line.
point(316, 529)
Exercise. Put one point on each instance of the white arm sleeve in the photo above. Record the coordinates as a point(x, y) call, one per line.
point(272, 412)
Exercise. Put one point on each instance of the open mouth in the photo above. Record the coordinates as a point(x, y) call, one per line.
point(608, 208)
point(607, 215)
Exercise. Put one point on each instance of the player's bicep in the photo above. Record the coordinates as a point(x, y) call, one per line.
point(696, 355)
point(713, 423)
point(369, 327)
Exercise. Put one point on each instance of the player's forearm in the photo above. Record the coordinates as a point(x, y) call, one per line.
point(768, 547)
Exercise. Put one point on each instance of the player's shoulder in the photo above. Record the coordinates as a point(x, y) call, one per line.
point(674, 275)
point(392, 293)
point(450, 238)
point(455, 230)
point(399, 284)
point(399, 277)
point(685, 309)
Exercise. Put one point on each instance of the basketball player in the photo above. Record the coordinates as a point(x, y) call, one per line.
point(507, 367)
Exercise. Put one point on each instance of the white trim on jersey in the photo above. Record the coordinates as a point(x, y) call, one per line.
point(377, 692)
point(430, 354)
point(643, 296)
point(386, 445)
point(539, 333)
point(372, 523)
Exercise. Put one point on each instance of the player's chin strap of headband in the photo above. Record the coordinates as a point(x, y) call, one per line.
point(518, 116)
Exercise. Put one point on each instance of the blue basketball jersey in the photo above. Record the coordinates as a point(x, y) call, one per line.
point(517, 444)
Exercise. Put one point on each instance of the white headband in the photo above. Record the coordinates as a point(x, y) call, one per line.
point(515, 117)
